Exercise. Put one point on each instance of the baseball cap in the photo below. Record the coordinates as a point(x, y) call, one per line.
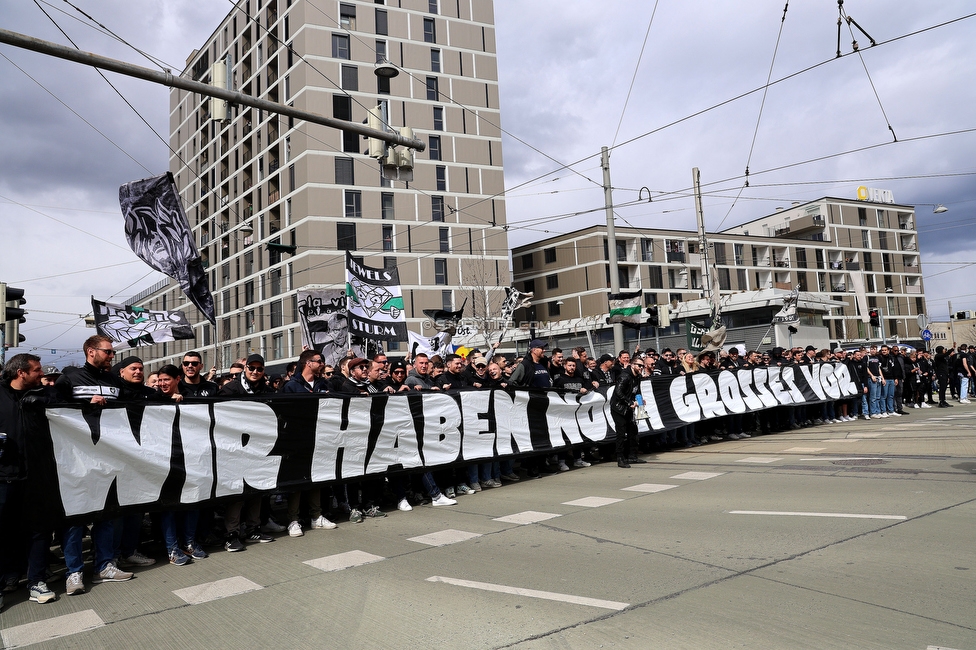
point(537, 343)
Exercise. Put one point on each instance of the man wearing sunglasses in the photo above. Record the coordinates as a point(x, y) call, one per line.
point(193, 384)
point(96, 384)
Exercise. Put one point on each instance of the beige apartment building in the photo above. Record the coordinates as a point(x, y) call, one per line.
point(274, 204)
point(824, 246)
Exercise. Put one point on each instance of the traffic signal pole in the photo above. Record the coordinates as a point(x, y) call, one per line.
point(175, 81)
point(618, 328)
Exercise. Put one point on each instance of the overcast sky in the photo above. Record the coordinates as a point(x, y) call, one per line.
point(565, 71)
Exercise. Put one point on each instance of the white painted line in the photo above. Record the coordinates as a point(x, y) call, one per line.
point(866, 435)
point(591, 502)
point(527, 517)
point(938, 647)
point(650, 488)
point(831, 458)
point(341, 561)
point(444, 537)
point(698, 476)
point(759, 459)
point(840, 440)
point(840, 515)
point(216, 590)
point(532, 593)
point(51, 628)
point(803, 450)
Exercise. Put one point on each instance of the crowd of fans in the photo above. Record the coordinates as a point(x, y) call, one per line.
point(888, 380)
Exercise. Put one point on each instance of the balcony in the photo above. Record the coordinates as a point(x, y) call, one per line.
point(783, 285)
point(852, 266)
point(839, 288)
point(783, 264)
point(676, 257)
point(913, 289)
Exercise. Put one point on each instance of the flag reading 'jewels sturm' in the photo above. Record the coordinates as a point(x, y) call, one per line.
point(159, 233)
point(138, 326)
point(325, 326)
point(625, 307)
point(374, 302)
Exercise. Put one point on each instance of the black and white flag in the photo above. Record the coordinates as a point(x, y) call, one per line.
point(137, 326)
point(788, 313)
point(374, 302)
point(325, 325)
point(159, 233)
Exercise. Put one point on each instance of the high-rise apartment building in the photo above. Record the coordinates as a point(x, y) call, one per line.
point(829, 246)
point(274, 203)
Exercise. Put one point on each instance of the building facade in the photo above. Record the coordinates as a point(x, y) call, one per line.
point(825, 246)
point(274, 204)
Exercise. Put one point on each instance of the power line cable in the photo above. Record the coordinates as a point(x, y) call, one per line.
point(865, 66)
point(633, 79)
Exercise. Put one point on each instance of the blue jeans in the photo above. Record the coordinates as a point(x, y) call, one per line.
point(888, 406)
point(874, 396)
point(430, 485)
point(963, 387)
point(479, 472)
point(103, 539)
point(126, 539)
point(187, 519)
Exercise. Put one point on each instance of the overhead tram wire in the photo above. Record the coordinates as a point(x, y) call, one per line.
point(63, 223)
point(159, 63)
point(633, 79)
point(762, 105)
point(840, 6)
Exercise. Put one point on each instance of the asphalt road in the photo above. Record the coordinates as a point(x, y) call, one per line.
point(857, 535)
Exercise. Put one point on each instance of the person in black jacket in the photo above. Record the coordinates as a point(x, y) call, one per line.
point(193, 384)
point(940, 366)
point(622, 405)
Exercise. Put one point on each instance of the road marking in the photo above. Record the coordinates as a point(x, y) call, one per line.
point(803, 450)
point(759, 459)
point(840, 440)
point(650, 488)
point(532, 593)
point(444, 537)
point(51, 628)
point(527, 517)
point(840, 515)
point(866, 435)
point(591, 502)
point(832, 459)
point(698, 476)
point(938, 647)
point(341, 561)
point(216, 590)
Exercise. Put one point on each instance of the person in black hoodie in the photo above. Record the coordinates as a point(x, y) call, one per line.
point(940, 366)
point(193, 384)
point(623, 401)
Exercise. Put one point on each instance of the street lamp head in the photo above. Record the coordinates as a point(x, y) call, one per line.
point(939, 209)
point(246, 229)
point(385, 69)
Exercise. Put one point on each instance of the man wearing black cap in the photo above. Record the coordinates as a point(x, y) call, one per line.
point(604, 370)
point(250, 382)
point(533, 372)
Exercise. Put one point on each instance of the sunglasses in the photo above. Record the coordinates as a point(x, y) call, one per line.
point(110, 352)
point(255, 368)
point(191, 363)
point(327, 374)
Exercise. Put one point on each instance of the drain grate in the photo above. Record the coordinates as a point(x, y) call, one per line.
point(859, 461)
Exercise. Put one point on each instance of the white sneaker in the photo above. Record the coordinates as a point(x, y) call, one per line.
point(877, 416)
point(295, 529)
point(321, 523)
point(897, 415)
point(964, 401)
point(563, 467)
point(442, 500)
point(74, 584)
point(916, 406)
point(579, 462)
point(926, 405)
point(867, 417)
point(404, 506)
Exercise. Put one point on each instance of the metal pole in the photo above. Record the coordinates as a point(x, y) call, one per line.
point(952, 331)
point(618, 328)
point(174, 81)
point(702, 242)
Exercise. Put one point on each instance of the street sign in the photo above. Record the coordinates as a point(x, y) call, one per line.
point(926, 335)
point(923, 321)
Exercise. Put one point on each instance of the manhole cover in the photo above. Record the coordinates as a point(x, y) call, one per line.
point(859, 461)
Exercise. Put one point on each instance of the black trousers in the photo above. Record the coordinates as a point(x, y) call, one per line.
point(626, 429)
point(943, 385)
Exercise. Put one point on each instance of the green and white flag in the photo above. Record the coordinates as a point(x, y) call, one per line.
point(625, 307)
point(374, 301)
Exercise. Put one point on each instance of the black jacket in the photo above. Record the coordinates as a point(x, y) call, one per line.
point(87, 382)
point(237, 389)
point(627, 388)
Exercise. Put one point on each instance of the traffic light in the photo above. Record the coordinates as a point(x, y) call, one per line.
point(405, 158)
point(12, 299)
point(652, 318)
point(875, 318)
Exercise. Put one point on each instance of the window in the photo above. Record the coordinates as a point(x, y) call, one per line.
point(440, 271)
point(883, 240)
point(432, 93)
point(550, 255)
point(278, 340)
point(441, 173)
point(275, 281)
point(868, 261)
point(387, 238)
point(527, 262)
point(438, 118)
point(353, 204)
point(434, 147)
point(435, 60)
point(343, 172)
point(249, 292)
point(249, 321)
point(725, 279)
point(862, 216)
point(437, 208)
point(552, 282)
point(801, 258)
point(430, 33)
point(346, 236)
point(740, 278)
point(432, 6)
point(347, 17)
point(554, 308)
point(865, 239)
point(656, 280)
point(382, 24)
point(447, 301)
point(882, 218)
point(340, 46)
point(719, 250)
point(386, 205)
point(445, 240)
point(350, 77)
point(342, 110)
point(528, 286)
point(380, 50)
point(276, 314)
point(647, 250)
point(737, 249)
